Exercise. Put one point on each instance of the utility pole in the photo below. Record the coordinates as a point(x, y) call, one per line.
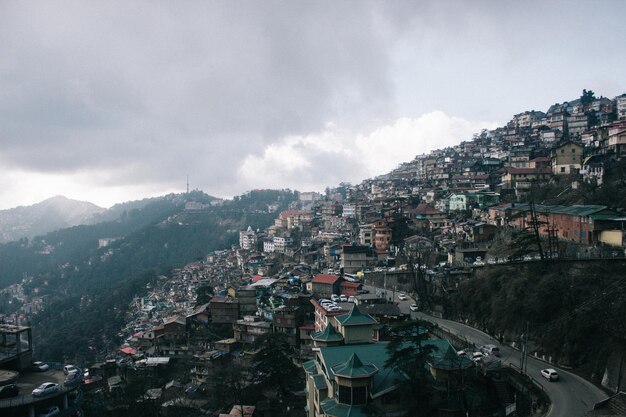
point(526, 349)
point(534, 221)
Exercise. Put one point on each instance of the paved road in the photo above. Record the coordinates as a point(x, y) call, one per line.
point(571, 396)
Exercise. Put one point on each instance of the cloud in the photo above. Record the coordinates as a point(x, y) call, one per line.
point(136, 95)
point(154, 82)
point(313, 162)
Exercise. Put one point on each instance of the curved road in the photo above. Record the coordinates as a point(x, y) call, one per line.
point(571, 396)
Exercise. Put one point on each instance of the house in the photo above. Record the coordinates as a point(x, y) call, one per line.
point(616, 140)
point(567, 158)
point(592, 169)
point(288, 320)
point(577, 223)
point(425, 216)
point(247, 239)
point(523, 178)
point(325, 285)
point(224, 309)
point(355, 258)
point(250, 328)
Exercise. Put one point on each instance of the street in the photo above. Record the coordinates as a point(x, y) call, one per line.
point(571, 395)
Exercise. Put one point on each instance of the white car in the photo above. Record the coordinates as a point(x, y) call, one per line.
point(67, 369)
point(40, 366)
point(334, 297)
point(46, 388)
point(50, 412)
point(478, 357)
point(550, 374)
point(413, 307)
point(402, 297)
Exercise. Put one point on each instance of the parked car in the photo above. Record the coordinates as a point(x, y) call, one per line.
point(10, 390)
point(50, 411)
point(343, 298)
point(550, 374)
point(402, 297)
point(73, 379)
point(39, 366)
point(461, 353)
point(477, 357)
point(490, 350)
point(413, 307)
point(67, 369)
point(46, 388)
point(334, 297)
point(352, 299)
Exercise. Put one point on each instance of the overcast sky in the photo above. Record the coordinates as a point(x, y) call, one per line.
point(114, 101)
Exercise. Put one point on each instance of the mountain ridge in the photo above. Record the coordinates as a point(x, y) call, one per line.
point(48, 215)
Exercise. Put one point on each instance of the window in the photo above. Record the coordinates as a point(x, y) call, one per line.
point(562, 169)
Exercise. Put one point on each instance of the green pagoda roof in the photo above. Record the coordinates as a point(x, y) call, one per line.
point(354, 368)
point(355, 318)
point(331, 406)
point(329, 334)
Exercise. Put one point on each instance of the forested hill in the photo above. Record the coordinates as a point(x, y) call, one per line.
point(87, 289)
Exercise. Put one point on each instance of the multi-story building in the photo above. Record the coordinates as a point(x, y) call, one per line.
point(250, 328)
point(288, 320)
point(355, 258)
point(224, 309)
point(567, 158)
point(247, 239)
point(620, 107)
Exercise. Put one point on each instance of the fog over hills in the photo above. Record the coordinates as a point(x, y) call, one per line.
point(51, 214)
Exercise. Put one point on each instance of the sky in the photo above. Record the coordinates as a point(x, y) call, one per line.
point(110, 101)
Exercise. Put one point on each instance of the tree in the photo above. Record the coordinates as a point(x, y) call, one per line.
point(274, 361)
point(409, 353)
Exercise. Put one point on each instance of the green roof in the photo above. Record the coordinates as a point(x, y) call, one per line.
point(370, 353)
point(310, 366)
point(355, 318)
point(355, 368)
point(332, 407)
point(329, 334)
point(319, 381)
point(573, 210)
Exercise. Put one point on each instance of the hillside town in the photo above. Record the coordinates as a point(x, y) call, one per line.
point(338, 271)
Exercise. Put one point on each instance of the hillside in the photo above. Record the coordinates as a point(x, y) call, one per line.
point(87, 288)
point(52, 214)
point(573, 310)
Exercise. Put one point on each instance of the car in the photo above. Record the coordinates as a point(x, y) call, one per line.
point(46, 388)
point(343, 298)
point(352, 299)
point(334, 297)
point(324, 300)
point(490, 350)
point(478, 357)
point(334, 308)
point(9, 390)
point(73, 379)
point(413, 307)
point(39, 366)
point(461, 353)
point(402, 297)
point(550, 374)
point(50, 412)
point(67, 369)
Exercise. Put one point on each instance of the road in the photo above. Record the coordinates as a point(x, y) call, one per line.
point(571, 396)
